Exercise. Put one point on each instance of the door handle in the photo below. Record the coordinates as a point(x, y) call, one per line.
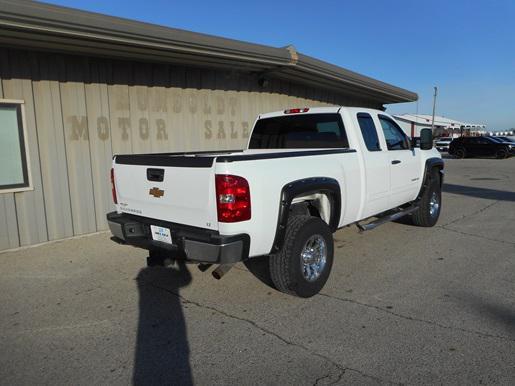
point(157, 175)
point(396, 161)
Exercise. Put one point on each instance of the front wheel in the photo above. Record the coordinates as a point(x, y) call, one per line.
point(430, 204)
point(303, 264)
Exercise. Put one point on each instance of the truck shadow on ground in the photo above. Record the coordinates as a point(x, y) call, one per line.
point(162, 350)
point(259, 267)
point(489, 194)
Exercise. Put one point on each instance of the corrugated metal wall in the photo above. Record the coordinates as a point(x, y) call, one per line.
point(80, 111)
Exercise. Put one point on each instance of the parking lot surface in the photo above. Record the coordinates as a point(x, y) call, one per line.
point(403, 305)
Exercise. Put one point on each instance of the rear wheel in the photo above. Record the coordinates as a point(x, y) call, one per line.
point(501, 154)
point(303, 264)
point(430, 203)
point(460, 153)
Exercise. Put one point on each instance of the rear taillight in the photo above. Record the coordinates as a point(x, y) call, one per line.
point(113, 188)
point(296, 111)
point(232, 198)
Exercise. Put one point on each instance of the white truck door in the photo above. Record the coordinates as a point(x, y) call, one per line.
point(404, 163)
point(377, 167)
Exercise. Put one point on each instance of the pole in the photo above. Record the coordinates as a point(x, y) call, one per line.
point(434, 108)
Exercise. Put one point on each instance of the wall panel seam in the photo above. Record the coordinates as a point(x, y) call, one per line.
point(90, 157)
point(39, 160)
point(66, 154)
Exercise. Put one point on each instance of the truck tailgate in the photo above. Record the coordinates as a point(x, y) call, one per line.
point(178, 189)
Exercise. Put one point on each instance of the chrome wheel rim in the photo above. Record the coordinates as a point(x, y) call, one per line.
point(434, 205)
point(313, 258)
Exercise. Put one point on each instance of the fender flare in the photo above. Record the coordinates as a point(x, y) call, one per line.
point(431, 163)
point(325, 185)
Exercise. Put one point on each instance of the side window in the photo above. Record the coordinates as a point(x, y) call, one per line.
point(368, 131)
point(14, 169)
point(395, 137)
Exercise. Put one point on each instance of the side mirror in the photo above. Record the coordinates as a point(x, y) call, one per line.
point(426, 139)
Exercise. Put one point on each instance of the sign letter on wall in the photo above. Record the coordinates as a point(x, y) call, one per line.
point(161, 129)
point(143, 128)
point(208, 133)
point(79, 127)
point(124, 123)
point(103, 128)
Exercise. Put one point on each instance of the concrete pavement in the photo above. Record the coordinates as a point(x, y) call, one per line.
point(403, 305)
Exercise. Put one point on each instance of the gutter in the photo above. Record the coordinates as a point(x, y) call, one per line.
point(307, 64)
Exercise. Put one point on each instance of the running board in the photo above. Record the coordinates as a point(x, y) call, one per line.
point(387, 218)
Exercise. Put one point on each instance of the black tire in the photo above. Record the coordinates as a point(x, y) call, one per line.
point(460, 153)
point(424, 216)
point(501, 154)
point(286, 266)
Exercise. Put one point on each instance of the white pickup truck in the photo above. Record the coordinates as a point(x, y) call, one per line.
point(306, 173)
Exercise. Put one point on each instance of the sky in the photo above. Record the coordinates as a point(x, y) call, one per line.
point(465, 48)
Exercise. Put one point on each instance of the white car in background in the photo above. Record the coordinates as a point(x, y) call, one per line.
point(442, 144)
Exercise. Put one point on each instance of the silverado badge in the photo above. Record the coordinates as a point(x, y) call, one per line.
point(156, 192)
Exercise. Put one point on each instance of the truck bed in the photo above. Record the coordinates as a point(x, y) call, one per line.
point(180, 187)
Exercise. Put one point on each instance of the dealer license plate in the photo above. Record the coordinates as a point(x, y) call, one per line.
point(161, 234)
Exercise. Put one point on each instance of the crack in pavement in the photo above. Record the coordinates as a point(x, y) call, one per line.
point(445, 226)
point(338, 379)
point(478, 236)
point(469, 215)
point(341, 369)
point(413, 319)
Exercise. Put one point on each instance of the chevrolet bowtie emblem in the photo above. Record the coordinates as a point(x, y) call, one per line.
point(156, 192)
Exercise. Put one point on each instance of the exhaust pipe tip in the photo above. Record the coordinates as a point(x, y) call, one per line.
point(221, 270)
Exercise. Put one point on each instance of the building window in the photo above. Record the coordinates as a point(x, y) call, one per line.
point(14, 162)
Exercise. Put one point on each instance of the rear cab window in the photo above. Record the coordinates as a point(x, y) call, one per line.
point(368, 131)
point(300, 131)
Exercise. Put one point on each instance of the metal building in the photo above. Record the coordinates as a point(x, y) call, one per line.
point(413, 123)
point(78, 87)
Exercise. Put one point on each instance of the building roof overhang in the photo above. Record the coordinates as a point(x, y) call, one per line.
point(33, 25)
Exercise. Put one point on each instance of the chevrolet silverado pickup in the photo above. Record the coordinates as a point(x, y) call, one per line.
point(306, 172)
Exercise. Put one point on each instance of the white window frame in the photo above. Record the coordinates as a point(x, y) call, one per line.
point(25, 149)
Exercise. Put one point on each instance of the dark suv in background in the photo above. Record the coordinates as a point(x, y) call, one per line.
point(480, 147)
